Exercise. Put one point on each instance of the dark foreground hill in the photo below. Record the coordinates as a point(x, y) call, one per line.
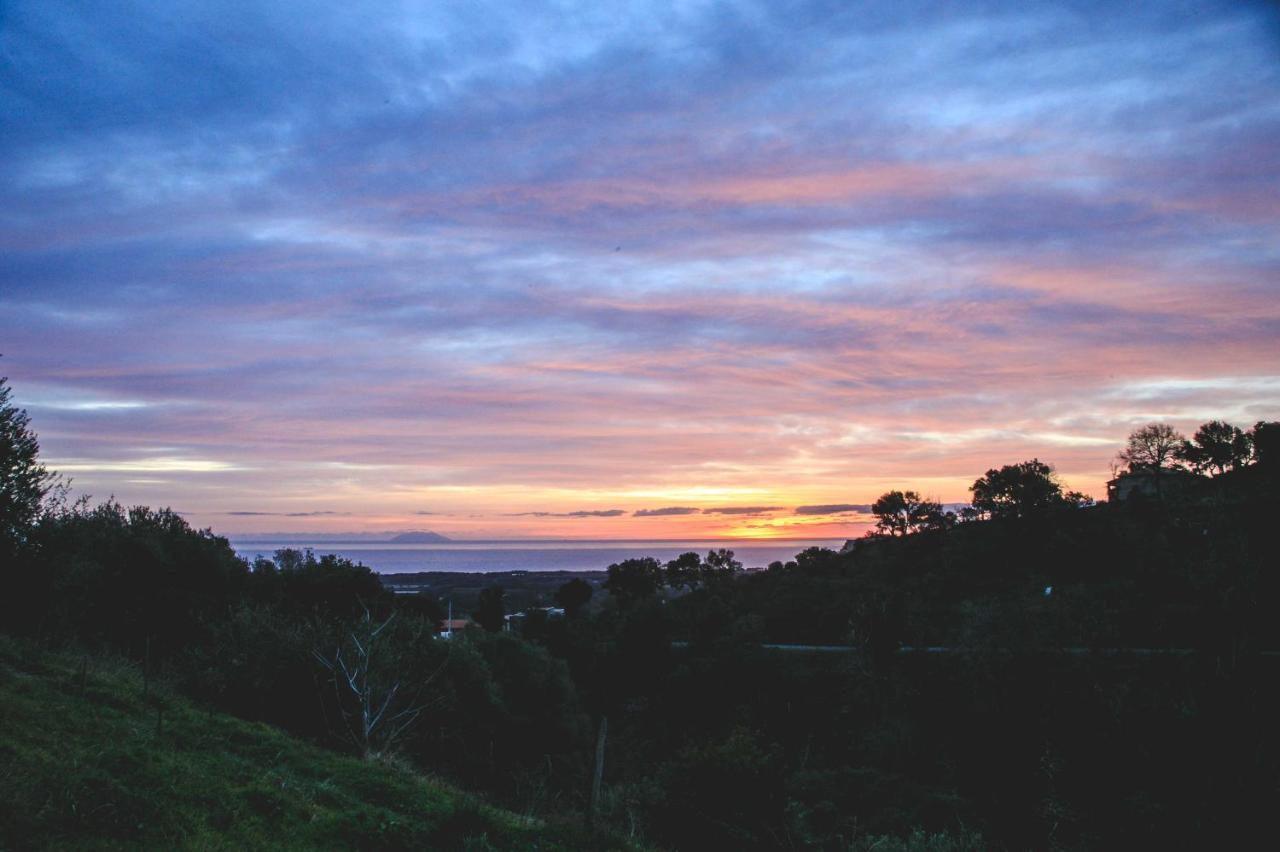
point(90, 761)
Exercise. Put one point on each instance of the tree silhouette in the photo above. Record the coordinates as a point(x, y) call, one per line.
point(24, 482)
point(573, 596)
point(491, 609)
point(1265, 437)
point(1152, 448)
point(1217, 447)
point(633, 580)
point(684, 571)
point(1017, 490)
point(719, 565)
point(901, 512)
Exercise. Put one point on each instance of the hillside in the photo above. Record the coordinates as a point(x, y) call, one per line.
point(84, 765)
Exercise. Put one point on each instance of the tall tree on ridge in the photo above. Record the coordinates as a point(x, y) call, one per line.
point(24, 482)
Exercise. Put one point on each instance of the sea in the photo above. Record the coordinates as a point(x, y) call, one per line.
point(540, 555)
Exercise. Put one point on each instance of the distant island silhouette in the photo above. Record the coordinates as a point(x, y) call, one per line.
point(425, 537)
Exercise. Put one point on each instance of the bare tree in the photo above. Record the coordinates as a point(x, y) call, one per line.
point(1154, 447)
point(372, 700)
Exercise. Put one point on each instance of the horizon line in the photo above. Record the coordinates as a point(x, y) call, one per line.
point(302, 537)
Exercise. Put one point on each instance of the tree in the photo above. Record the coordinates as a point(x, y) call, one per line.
point(491, 610)
point(685, 571)
point(573, 596)
point(816, 560)
point(368, 691)
point(24, 482)
point(1077, 499)
point(902, 512)
point(633, 580)
point(719, 565)
point(332, 585)
point(1017, 490)
point(1153, 448)
point(689, 570)
point(1265, 438)
point(1218, 447)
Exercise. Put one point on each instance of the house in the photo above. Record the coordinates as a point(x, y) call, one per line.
point(1146, 484)
point(517, 619)
point(449, 625)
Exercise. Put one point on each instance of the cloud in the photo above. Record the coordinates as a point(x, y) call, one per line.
point(582, 513)
point(669, 510)
point(243, 514)
point(452, 255)
point(741, 510)
point(834, 509)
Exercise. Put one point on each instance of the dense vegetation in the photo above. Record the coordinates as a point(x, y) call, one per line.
point(1035, 671)
point(92, 757)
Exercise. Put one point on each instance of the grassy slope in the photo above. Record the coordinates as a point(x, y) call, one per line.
point(90, 770)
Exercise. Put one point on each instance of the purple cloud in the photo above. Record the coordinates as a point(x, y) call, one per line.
point(835, 509)
point(243, 514)
point(741, 510)
point(665, 512)
point(581, 513)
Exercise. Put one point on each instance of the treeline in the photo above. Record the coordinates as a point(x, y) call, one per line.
point(1057, 673)
point(253, 640)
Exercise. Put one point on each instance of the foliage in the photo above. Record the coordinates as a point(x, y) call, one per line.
point(255, 663)
point(1017, 490)
point(1216, 447)
point(491, 612)
point(690, 571)
point(725, 794)
point(573, 596)
point(922, 841)
point(130, 578)
point(1265, 438)
point(816, 560)
point(684, 571)
point(902, 512)
point(84, 764)
point(720, 564)
point(24, 481)
point(330, 587)
point(634, 580)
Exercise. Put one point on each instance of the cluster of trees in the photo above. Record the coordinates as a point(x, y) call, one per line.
point(1031, 488)
point(1022, 490)
point(313, 644)
point(635, 580)
point(1216, 447)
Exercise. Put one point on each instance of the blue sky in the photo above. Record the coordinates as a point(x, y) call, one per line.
point(534, 268)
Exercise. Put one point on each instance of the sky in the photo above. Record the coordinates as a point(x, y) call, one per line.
point(650, 270)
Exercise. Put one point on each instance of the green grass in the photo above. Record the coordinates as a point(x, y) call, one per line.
point(87, 768)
